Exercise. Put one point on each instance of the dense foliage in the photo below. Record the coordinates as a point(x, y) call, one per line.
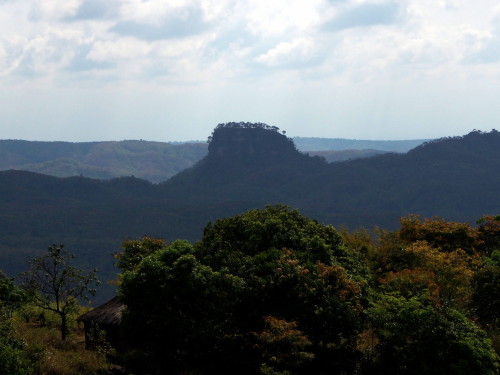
point(223, 303)
point(13, 357)
point(270, 291)
point(11, 296)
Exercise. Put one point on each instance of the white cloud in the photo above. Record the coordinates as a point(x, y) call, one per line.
point(489, 49)
point(281, 17)
point(363, 15)
point(44, 54)
point(176, 24)
point(119, 50)
point(53, 9)
point(155, 11)
point(95, 9)
point(295, 53)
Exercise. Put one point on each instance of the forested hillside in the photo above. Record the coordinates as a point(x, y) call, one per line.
point(154, 161)
point(454, 177)
point(248, 166)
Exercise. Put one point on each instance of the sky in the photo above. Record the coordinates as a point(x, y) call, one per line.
point(171, 70)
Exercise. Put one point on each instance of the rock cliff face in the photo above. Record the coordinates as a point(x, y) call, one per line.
point(236, 142)
point(255, 157)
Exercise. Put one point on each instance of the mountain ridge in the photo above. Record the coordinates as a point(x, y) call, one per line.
point(456, 178)
point(153, 161)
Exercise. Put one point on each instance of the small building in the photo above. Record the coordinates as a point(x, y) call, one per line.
point(104, 319)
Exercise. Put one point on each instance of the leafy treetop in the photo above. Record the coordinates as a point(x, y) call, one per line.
point(243, 125)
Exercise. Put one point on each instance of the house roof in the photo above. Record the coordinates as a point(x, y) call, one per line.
point(108, 313)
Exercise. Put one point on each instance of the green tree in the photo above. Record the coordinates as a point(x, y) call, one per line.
point(486, 296)
point(176, 308)
point(489, 231)
point(444, 276)
point(441, 234)
point(231, 240)
point(55, 285)
point(13, 358)
point(416, 338)
point(202, 305)
point(136, 250)
point(11, 296)
point(282, 344)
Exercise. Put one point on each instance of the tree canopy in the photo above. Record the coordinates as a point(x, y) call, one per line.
point(219, 303)
point(273, 292)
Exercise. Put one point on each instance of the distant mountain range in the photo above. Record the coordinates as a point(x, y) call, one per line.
point(334, 156)
point(246, 167)
point(340, 144)
point(155, 161)
point(152, 161)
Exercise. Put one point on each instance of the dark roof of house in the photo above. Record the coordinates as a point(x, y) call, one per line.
point(108, 313)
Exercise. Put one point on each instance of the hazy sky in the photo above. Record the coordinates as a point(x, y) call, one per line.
point(165, 70)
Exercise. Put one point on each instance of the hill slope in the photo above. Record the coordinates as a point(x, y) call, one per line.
point(455, 177)
point(153, 161)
